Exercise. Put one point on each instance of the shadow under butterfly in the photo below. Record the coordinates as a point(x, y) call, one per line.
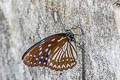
point(56, 52)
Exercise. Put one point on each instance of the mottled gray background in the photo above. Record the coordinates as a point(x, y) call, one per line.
point(25, 22)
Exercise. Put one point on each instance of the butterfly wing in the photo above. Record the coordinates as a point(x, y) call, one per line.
point(38, 54)
point(55, 52)
point(63, 56)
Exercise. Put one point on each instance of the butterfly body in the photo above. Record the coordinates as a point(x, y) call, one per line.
point(55, 52)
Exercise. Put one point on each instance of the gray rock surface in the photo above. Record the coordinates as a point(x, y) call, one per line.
point(25, 22)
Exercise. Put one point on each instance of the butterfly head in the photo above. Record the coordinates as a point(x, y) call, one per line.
point(70, 35)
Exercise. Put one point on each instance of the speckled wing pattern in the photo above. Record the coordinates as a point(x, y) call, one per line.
point(55, 52)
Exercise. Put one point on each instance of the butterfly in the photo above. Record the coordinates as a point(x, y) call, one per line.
point(56, 52)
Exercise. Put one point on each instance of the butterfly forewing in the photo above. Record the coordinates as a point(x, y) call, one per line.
point(38, 54)
point(55, 52)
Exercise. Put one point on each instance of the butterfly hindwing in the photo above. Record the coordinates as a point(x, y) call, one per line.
point(63, 57)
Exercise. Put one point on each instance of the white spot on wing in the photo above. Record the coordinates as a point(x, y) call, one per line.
point(44, 63)
point(49, 52)
point(34, 55)
point(40, 53)
point(36, 58)
point(46, 58)
point(68, 65)
point(40, 48)
point(49, 45)
point(53, 39)
point(67, 59)
point(46, 50)
point(54, 66)
point(61, 39)
point(39, 62)
point(72, 63)
point(51, 64)
point(41, 57)
point(59, 66)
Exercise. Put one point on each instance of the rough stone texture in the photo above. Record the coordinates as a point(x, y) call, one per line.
point(25, 22)
point(117, 14)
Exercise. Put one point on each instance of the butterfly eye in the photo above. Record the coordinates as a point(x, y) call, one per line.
point(55, 52)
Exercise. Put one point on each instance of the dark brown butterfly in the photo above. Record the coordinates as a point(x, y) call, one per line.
point(55, 52)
